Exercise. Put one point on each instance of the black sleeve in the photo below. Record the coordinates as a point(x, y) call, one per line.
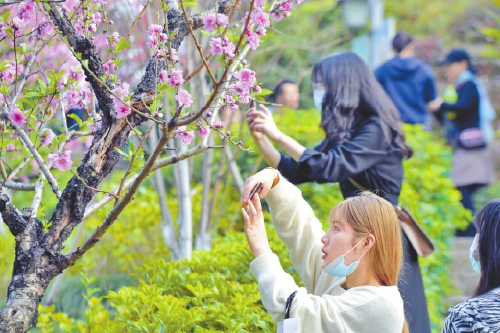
point(289, 168)
point(468, 96)
point(367, 148)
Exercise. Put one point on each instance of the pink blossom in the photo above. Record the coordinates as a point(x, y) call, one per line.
point(9, 74)
point(253, 40)
point(26, 11)
point(245, 77)
point(76, 75)
point(3, 26)
point(96, 18)
point(92, 27)
point(228, 47)
point(277, 16)
point(114, 39)
point(163, 75)
point(299, 2)
point(46, 29)
point(204, 131)
point(154, 29)
point(185, 136)
point(257, 89)
point(109, 66)
point(219, 124)
point(121, 109)
point(260, 18)
point(245, 97)
point(16, 116)
point(61, 161)
point(286, 6)
point(18, 24)
point(173, 55)
point(184, 98)
point(222, 20)
point(209, 22)
point(260, 3)
point(261, 31)
point(230, 99)
point(47, 136)
point(233, 107)
point(11, 147)
point(175, 78)
point(216, 46)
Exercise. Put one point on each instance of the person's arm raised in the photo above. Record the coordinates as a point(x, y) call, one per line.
point(294, 222)
point(262, 121)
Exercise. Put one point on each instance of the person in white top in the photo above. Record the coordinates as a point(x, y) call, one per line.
point(350, 273)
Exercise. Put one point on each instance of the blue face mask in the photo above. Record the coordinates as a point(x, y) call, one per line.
point(318, 96)
point(476, 265)
point(339, 269)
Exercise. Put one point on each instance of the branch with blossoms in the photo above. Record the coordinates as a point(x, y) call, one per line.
point(31, 101)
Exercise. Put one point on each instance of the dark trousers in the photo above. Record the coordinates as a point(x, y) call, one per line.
point(467, 192)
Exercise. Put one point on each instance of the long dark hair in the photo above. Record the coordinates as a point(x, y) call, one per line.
point(488, 227)
point(352, 94)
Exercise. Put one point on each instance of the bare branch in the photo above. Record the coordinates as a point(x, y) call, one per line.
point(11, 216)
point(21, 165)
point(17, 185)
point(37, 198)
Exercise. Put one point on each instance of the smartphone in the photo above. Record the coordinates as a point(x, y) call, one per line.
point(256, 189)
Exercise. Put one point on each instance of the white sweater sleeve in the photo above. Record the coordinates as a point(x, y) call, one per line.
point(299, 229)
point(362, 310)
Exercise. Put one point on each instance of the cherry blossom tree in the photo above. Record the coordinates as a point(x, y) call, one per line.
point(63, 55)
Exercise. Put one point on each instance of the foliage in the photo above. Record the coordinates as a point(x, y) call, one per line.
point(212, 292)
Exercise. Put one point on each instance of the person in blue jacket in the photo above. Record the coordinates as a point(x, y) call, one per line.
point(363, 144)
point(409, 82)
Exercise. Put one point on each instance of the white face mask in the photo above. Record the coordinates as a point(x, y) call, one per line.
point(476, 265)
point(318, 96)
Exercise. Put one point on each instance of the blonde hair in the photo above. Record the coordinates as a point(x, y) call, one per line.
point(367, 214)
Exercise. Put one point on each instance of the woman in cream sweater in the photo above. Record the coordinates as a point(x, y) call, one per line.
point(350, 273)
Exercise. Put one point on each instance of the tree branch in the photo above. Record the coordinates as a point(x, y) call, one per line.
point(11, 216)
point(17, 185)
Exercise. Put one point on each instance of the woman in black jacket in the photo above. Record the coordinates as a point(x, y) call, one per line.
point(363, 144)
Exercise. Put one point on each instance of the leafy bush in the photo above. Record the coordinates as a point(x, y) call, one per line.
point(213, 292)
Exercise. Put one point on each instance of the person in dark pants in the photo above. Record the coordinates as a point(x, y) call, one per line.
point(364, 142)
point(408, 81)
point(472, 167)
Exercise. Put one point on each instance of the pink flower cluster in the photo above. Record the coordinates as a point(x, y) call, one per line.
point(212, 19)
point(9, 74)
point(121, 109)
point(220, 46)
point(45, 29)
point(173, 79)
point(16, 116)
point(47, 136)
point(203, 130)
point(219, 124)
point(25, 15)
point(245, 79)
point(61, 160)
point(184, 135)
point(3, 26)
point(284, 9)
point(155, 35)
point(109, 66)
point(113, 39)
point(184, 98)
point(167, 55)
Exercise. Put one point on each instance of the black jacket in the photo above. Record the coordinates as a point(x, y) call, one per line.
point(368, 158)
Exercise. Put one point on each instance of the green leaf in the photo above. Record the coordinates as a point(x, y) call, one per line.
point(264, 92)
point(76, 118)
point(121, 152)
point(122, 45)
